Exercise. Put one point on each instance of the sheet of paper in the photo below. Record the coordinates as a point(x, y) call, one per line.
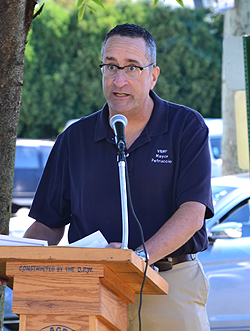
point(94, 240)
point(16, 241)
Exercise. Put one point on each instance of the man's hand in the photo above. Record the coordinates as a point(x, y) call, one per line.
point(3, 282)
point(114, 245)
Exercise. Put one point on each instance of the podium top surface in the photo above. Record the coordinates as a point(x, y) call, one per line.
point(125, 263)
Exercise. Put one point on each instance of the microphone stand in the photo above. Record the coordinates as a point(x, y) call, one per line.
point(123, 190)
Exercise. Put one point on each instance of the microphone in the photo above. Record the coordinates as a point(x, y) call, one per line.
point(118, 123)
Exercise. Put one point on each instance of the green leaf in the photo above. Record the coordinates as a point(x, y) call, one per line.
point(80, 3)
point(99, 3)
point(180, 2)
point(92, 9)
point(155, 2)
point(81, 12)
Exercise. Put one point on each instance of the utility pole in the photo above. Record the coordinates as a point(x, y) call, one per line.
point(236, 23)
point(198, 4)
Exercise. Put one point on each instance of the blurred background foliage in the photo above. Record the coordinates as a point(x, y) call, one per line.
point(62, 79)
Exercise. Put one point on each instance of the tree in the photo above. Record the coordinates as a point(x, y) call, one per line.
point(62, 57)
point(189, 55)
point(236, 23)
point(15, 17)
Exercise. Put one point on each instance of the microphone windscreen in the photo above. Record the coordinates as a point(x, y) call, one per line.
point(118, 118)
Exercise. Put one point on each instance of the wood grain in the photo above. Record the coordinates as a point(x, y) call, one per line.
point(75, 289)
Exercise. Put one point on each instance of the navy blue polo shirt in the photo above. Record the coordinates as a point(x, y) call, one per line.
point(168, 164)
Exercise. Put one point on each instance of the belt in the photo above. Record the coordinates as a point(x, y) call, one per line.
point(167, 262)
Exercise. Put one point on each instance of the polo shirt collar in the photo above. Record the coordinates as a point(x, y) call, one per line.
point(157, 124)
point(102, 128)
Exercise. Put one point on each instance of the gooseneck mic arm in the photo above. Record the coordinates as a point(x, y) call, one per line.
point(118, 123)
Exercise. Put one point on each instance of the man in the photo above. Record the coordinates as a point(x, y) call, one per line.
point(169, 172)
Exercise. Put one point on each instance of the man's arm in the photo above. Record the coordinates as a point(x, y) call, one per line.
point(40, 231)
point(187, 220)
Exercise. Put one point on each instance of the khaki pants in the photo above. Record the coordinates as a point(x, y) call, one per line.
point(183, 309)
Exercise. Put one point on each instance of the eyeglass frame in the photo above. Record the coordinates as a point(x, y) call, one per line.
point(101, 65)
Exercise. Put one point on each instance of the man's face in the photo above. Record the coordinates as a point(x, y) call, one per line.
point(128, 96)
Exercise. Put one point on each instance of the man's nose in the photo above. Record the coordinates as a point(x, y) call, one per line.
point(120, 78)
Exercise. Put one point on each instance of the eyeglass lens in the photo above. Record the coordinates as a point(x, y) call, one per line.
point(130, 72)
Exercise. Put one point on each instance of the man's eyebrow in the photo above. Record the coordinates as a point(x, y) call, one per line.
point(111, 58)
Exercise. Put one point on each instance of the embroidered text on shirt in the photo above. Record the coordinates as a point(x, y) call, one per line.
point(161, 156)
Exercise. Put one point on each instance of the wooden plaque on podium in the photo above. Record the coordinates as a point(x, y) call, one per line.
point(75, 289)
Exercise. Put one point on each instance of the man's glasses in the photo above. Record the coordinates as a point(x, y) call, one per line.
point(130, 71)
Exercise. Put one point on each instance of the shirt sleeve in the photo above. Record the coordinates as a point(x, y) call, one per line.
point(51, 205)
point(194, 173)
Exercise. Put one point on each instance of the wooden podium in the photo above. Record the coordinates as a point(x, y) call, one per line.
point(75, 289)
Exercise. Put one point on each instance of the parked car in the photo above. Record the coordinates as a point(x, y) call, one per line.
point(215, 126)
point(227, 260)
point(30, 160)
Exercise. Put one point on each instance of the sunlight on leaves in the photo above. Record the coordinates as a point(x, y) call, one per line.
point(155, 2)
point(180, 2)
point(99, 2)
point(82, 4)
point(81, 12)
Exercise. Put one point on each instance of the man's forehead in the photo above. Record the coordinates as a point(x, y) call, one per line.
point(125, 38)
point(131, 48)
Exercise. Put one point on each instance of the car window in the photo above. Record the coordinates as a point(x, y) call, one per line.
point(240, 215)
point(216, 147)
point(26, 157)
point(45, 151)
point(219, 192)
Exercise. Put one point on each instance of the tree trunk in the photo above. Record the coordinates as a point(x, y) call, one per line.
point(236, 23)
point(15, 19)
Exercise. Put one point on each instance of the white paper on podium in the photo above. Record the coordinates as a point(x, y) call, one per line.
point(16, 241)
point(94, 240)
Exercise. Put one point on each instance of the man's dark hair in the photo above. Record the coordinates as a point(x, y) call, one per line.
point(134, 31)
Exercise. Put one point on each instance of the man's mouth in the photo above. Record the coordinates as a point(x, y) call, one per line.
point(120, 94)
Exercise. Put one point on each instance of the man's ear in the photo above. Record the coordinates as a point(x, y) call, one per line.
point(154, 76)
